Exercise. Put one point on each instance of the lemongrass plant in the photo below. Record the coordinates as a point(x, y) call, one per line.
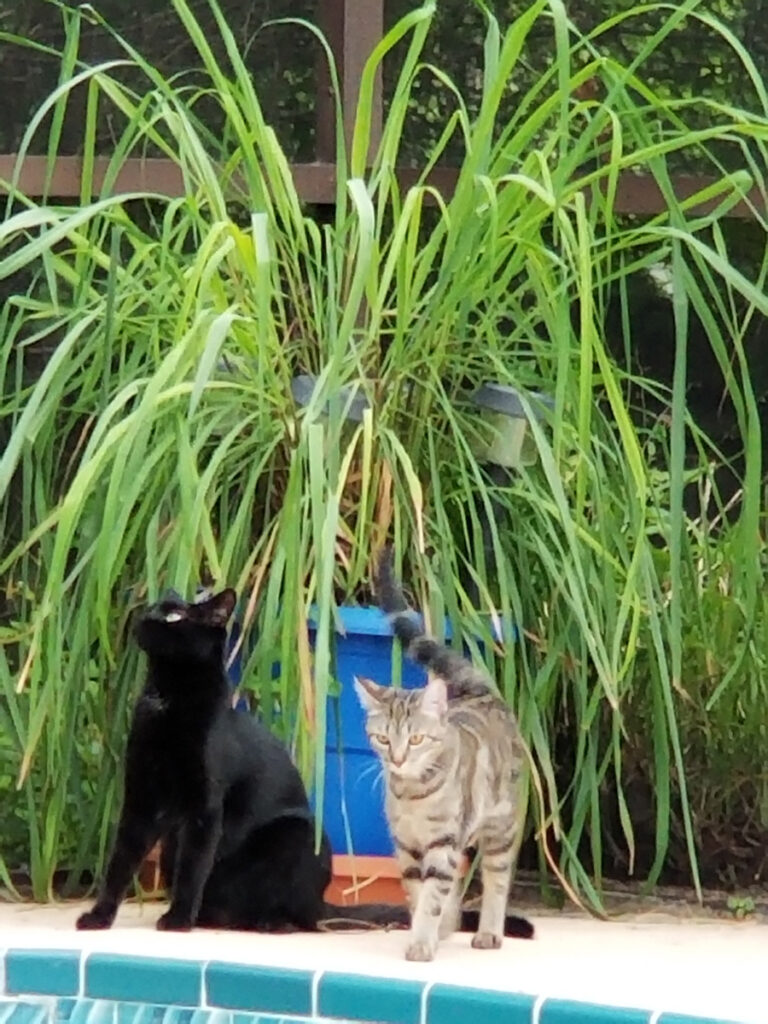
point(157, 442)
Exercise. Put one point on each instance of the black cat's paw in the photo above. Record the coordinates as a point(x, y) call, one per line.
point(173, 921)
point(94, 920)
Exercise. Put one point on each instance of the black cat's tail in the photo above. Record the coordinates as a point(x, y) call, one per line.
point(514, 927)
point(390, 916)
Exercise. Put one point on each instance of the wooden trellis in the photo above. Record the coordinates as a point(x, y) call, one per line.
point(352, 27)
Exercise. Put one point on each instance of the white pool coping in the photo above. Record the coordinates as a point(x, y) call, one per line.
point(708, 968)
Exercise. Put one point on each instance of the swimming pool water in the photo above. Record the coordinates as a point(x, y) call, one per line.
point(105, 1011)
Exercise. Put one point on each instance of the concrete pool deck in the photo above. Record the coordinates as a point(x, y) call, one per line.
point(704, 968)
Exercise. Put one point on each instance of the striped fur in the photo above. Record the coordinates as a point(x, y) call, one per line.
point(454, 765)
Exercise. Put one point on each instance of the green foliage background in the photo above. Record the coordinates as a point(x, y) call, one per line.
point(694, 60)
point(282, 65)
point(641, 684)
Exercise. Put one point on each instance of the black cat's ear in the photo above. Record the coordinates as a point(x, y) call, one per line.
point(217, 609)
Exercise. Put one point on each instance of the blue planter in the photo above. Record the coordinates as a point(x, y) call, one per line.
point(353, 782)
point(353, 792)
point(235, 670)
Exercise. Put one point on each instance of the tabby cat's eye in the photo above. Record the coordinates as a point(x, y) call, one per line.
point(174, 617)
point(416, 739)
point(381, 738)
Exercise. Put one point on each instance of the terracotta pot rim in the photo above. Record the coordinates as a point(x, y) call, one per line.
point(345, 865)
point(365, 865)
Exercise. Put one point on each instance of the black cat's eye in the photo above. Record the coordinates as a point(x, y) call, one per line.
point(416, 739)
point(171, 611)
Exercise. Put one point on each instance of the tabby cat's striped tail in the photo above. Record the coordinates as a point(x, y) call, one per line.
point(438, 658)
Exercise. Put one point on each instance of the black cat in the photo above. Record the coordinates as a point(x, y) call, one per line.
point(219, 790)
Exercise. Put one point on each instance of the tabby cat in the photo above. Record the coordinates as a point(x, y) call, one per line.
point(219, 790)
point(454, 764)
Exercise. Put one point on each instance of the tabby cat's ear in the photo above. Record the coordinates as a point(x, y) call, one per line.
point(368, 692)
point(434, 698)
point(217, 609)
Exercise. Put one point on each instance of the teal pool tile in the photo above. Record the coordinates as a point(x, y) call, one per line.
point(566, 1011)
point(142, 979)
point(356, 997)
point(48, 972)
point(278, 990)
point(449, 1004)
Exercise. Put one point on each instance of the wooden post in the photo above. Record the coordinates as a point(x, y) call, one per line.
point(352, 28)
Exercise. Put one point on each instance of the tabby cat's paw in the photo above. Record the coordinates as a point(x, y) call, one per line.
point(94, 920)
point(486, 940)
point(420, 951)
point(172, 921)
